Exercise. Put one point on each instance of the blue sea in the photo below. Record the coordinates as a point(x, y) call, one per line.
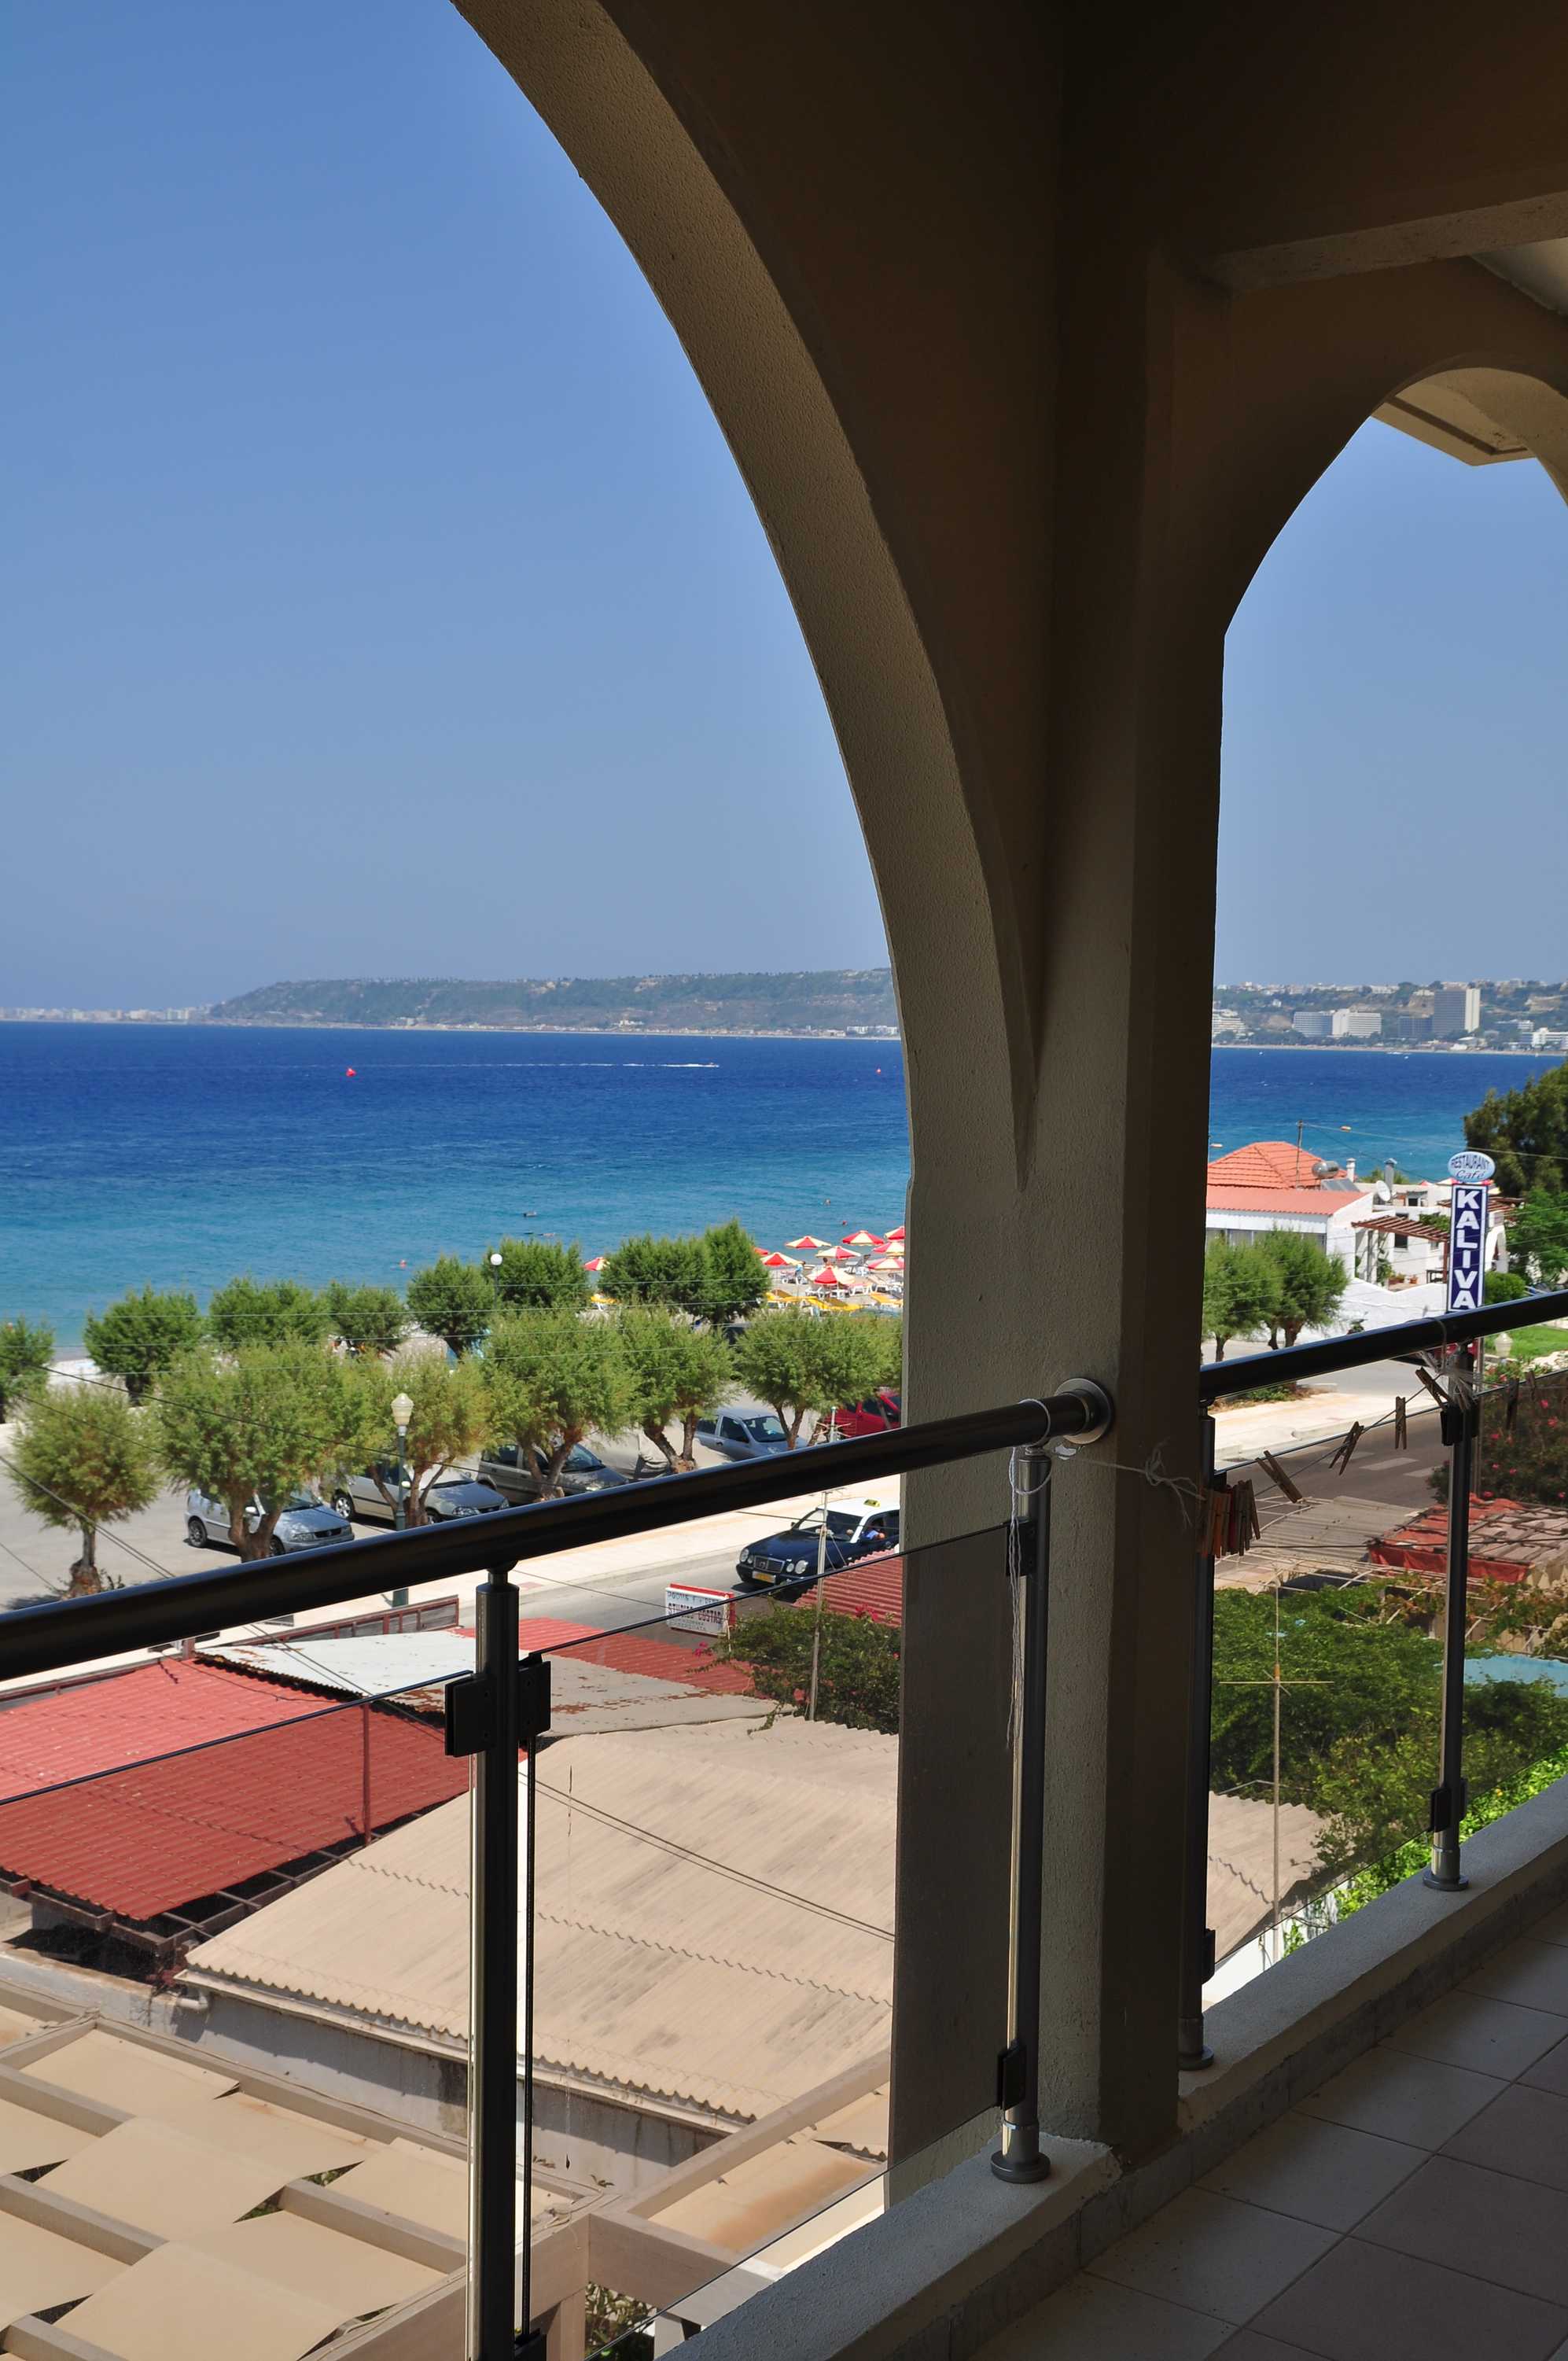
point(180, 1155)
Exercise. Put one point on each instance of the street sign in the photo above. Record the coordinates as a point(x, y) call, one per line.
point(1468, 1225)
point(696, 1609)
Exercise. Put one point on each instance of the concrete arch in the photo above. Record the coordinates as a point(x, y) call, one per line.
point(1018, 465)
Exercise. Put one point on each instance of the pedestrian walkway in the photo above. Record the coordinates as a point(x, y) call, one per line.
point(1415, 2209)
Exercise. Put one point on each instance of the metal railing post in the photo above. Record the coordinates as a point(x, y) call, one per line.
point(1461, 1424)
point(492, 2068)
point(1018, 2067)
point(503, 1706)
point(1196, 1936)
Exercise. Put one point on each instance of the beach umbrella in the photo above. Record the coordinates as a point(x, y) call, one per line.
point(839, 1254)
point(598, 1263)
point(886, 1262)
point(778, 1261)
point(811, 1244)
point(895, 1237)
point(828, 1277)
point(865, 1238)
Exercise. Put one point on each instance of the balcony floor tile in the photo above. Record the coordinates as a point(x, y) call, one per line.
point(1416, 2100)
point(1414, 2209)
point(1493, 2037)
point(1367, 2303)
point(1530, 1974)
point(1214, 2254)
point(1092, 2321)
point(1317, 2171)
point(1524, 2131)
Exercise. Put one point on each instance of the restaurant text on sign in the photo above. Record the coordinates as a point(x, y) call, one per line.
point(1467, 1246)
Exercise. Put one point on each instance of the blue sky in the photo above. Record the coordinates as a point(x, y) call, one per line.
point(381, 596)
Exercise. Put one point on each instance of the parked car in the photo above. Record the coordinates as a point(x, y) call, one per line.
point(306, 1522)
point(879, 1415)
point(506, 1468)
point(451, 1496)
point(788, 1561)
point(743, 1433)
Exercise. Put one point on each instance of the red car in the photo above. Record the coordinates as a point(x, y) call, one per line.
point(878, 1415)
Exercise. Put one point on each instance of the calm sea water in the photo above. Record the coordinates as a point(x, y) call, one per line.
point(182, 1155)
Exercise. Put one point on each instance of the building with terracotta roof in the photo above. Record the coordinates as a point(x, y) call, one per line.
point(1275, 1184)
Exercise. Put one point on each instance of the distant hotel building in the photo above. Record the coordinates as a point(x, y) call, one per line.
point(1338, 1024)
point(1455, 1008)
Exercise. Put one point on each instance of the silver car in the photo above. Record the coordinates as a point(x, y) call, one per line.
point(306, 1522)
point(376, 1492)
point(743, 1433)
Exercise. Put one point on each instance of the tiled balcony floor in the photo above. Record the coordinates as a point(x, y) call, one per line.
point(1416, 2208)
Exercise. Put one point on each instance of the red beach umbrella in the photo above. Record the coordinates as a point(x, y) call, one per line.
point(865, 1238)
point(598, 1263)
point(895, 1237)
point(778, 1261)
point(809, 1244)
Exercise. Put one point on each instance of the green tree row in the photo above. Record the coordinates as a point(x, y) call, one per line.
point(1279, 1286)
point(252, 1422)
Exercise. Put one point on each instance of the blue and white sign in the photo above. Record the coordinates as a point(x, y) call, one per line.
point(1470, 1165)
point(1467, 1244)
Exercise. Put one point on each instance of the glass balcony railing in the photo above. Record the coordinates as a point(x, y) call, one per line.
point(506, 1943)
point(1358, 1711)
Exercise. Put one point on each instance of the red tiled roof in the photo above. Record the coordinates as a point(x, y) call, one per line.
point(1226, 1197)
point(89, 1726)
point(874, 1587)
point(142, 1842)
point(1268, 1164)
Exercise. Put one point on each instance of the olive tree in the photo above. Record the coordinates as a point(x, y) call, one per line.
point(454, 1301)
point(450, 1418)
point(141, 1336)
point(256, 1426)
point(1242, 1292)
point(677, 1373)
point(1311, 1283)
point(797, 1364)
point(26, 1349)
point(665, 1273)
point(551, 1379)
point(734, 1282)
point(539, 1274)
point(367, 1319)
point(85, 1458)
point(267, 1312)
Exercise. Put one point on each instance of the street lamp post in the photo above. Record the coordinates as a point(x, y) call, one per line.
point(402, 1410)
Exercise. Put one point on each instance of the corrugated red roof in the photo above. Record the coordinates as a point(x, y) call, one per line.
point(142, 1842)
point(89, 1726)
point(874, 1587)
point(663, 1660)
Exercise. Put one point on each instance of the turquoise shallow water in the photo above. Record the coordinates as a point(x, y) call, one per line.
point(180, 1155)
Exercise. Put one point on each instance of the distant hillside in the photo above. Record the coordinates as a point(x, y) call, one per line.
point(833, 1000)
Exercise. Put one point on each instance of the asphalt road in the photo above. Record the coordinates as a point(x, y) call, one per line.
point(1376, 1471)
point(35, 1563)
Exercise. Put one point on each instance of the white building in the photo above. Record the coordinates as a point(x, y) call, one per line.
point(1271, 1184)
point(1455, 1008)
point(1314, 1024)
point(1357, 1023)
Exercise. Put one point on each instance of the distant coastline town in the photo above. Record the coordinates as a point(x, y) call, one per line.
point(1526, 1015)
point(1520, 1014)
point(853, 1003)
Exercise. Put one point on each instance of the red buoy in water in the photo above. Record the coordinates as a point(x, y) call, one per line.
point(348, 1070)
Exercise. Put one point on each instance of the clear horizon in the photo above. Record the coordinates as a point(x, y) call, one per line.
point(385, 598)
